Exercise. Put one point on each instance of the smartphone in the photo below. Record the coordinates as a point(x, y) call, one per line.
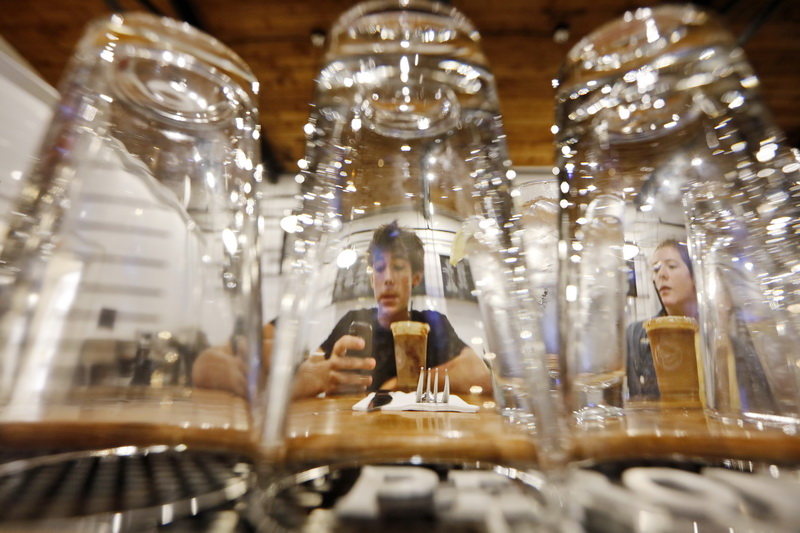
point(363, 330)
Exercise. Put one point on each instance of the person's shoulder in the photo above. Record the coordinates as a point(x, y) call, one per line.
point(435, 319)
point(639, 324)
point(427, 315)
point(361, 315)
point(364, 312)
point(636, 325)
point(635, 329)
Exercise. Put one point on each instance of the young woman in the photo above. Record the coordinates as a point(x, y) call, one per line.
point(673, 279)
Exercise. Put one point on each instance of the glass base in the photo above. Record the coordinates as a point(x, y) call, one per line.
point(598, 413)
point(789, 424)
point(106, 489)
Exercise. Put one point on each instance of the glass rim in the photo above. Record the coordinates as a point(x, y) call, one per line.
point(640, 35)
point(462, 40)
point(371, 7)
point(172, 35)
point(671, 322)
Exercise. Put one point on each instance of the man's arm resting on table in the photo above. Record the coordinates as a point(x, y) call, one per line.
point(467, 370)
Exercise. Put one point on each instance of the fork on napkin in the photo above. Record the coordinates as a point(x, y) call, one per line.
point(424, 399)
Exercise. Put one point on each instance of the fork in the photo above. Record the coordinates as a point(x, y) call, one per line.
point(424, 392)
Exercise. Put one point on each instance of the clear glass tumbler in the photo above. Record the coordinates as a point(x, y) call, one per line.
point(674, 175)
point(129, 281)
point(406, 215)
point(536, 206)
point(536, 199)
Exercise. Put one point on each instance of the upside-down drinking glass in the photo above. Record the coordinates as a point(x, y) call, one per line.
point(664, 144)
point(406, 214)
point(129, 299)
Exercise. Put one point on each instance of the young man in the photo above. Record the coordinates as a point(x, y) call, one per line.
point(395, 257)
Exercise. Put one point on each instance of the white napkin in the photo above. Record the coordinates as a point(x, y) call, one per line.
point(406, 401)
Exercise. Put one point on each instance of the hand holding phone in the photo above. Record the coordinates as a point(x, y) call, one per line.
point(364, 331)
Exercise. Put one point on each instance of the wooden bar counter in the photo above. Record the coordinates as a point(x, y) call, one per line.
point(327, 430)
point(106, 417)
point(322, 430)
point(684, 432)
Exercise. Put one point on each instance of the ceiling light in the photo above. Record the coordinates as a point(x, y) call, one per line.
point(561, 33)
point(317, 38)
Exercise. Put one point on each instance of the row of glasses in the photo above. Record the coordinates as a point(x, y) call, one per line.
point(131, 329)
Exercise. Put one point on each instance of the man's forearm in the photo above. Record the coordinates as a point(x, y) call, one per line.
point(467, 370)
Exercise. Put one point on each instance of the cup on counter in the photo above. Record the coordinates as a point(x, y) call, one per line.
point(679, 373)
point(410, 352)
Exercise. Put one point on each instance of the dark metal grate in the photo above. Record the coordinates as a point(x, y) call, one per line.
point(155, 485)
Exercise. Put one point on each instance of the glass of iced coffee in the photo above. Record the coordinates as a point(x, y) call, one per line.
point(410, 352)
point(672, 339)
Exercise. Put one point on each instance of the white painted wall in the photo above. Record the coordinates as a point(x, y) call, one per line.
point(26, 103)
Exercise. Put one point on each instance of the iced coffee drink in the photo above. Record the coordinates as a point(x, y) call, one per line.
point(672, 339)
point(410, 349)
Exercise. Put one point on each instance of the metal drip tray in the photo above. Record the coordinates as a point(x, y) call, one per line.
point(126, 487)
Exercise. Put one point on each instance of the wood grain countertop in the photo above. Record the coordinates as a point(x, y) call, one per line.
point(327, 430)
point(321, 430)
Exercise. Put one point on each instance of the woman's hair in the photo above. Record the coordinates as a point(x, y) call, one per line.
point(682, 250)
point(403, 243)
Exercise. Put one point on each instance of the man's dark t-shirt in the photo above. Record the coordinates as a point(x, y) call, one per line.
point(443, 342)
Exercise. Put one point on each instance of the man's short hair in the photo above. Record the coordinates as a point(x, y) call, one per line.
point(403, 243)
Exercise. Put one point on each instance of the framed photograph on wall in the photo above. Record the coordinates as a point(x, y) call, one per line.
point(457, 279)
point(352, 282)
